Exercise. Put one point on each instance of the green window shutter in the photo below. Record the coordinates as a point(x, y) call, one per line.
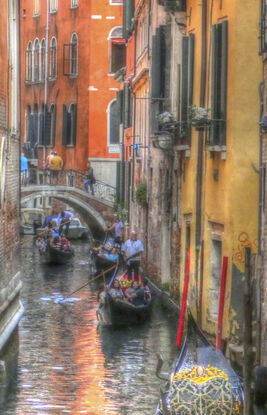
point(184, 97)
point(47, 128)
point(120, 96)
point(128, 17)
point(162, 59)
point(223, 81)
point(215, 87)
point(65, 125)
point(74, 124)
point(126, 106)
point(191, 60)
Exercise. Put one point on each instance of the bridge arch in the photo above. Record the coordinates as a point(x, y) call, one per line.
point(91, 209)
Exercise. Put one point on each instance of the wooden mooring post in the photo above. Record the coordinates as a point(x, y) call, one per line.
point(247, 334)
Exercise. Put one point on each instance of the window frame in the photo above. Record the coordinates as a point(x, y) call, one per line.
point(112, 147)
point(74, 4)
point(112, 41)
point(53, 6)
point(36, 61)
point(42, 60)
point(37, 8)
point(53, 62)
point(29, 63)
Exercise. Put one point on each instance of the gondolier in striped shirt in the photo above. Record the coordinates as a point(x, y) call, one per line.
point(133, 251)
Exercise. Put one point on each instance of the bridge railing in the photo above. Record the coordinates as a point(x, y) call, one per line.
point(71, 178)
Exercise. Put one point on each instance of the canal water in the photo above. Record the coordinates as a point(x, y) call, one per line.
point(67, 364)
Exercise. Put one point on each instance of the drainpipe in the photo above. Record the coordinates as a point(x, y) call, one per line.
point(259, 278)
point(46, 71)
point(199, 178)
point(19, 91)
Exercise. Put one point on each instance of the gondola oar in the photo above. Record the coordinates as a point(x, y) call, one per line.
point(89, 282)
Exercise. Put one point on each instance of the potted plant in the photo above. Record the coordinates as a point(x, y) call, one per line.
point(141, 194)
point(165, 121)
point(199, 117)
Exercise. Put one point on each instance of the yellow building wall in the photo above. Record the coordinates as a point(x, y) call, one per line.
point(232, 200)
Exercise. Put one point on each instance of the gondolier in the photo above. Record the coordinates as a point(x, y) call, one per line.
point(133, 251)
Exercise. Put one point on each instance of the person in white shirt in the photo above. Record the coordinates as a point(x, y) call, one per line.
point(133, 251)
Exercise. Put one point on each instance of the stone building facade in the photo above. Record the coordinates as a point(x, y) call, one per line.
point(10, 306)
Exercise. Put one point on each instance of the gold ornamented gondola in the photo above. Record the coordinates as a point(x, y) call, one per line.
point(202, 382)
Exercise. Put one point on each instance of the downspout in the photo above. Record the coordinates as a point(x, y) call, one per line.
point(199, 178)
point(19, 92)
point(259, 278)
point(46, 73)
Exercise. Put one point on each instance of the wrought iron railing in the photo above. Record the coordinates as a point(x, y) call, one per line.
point(71, 179)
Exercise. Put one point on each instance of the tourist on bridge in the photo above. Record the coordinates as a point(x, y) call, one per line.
point(24, 170)
point(55, 165)
point(133, 251)
point(90, 179)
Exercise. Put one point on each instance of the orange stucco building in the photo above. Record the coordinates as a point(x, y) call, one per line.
point(69, 55)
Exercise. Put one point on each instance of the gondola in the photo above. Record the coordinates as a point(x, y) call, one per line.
point(202, 381)
point(117, 312)
point(53, 255)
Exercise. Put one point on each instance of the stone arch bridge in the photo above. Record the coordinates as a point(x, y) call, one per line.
point(96, 210)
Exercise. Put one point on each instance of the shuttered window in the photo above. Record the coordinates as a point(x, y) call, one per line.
point(187, 89)
point(127, 106)
point(263, 27)
point(128, 18)
point(219, 83)
point(69, 125)
point(158, 64)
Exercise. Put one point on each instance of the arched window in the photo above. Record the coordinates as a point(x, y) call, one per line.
point(28, 76)
point(116, 49)
point(113, 127)
point(53, 112)
point(33, 132)
point(27, 122)
point(74, 4)
point(69, 125)
point(74, 55)
point(53, 58)
point(36, 61)
point(42, 64)
point(53, 6)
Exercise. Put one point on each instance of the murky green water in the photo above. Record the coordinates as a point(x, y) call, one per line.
point(66, 364)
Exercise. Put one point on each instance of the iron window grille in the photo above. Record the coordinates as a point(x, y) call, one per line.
point(70, 59)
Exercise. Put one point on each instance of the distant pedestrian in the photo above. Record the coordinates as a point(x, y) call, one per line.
point(90, 179)
point(117, 229)
point(55, 165)
point(24, 170)
point(133, 251)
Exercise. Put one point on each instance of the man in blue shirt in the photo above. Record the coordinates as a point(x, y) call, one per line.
point(133, 251)
point(23, 170)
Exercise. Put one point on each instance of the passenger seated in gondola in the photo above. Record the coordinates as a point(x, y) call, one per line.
point(137, 295)
point(56, 243)
point(144, 285)
point(113, 255)
point(115, 291)
point(65, 243)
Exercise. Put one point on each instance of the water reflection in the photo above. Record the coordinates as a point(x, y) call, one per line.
point(66, 364)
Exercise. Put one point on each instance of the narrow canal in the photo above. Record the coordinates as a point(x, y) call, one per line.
point(66, 363)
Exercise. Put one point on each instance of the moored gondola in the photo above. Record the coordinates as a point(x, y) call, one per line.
point(54, 255)
point(202, 381)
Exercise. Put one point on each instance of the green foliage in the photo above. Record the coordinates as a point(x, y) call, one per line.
point(166, 286)
point(141, 194)
point(120, 209)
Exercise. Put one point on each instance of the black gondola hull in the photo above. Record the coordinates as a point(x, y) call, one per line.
point(57, 256)
point(117, 312)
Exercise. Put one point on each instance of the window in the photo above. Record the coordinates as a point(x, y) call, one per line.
point(69, 125)
point(116, 50)
point(142, 35)
point(53, 112)
point(28, 76)
point(216, 262)
point(70, 57)
point(187, 84)
point(53, 6)
point(53, 59)
point(116, 2)
point(74, 4)
point(263, 26)
point(36, 61)
point(33, 132)
point(219, 83)
point(42, 64)
point(128, 18)
point(113, 127)
point(36, 8)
